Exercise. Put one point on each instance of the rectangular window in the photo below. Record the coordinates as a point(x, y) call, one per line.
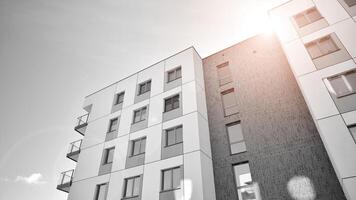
point(174, 74)
point(321, 47)
point(144, 87)
point(243, 180)
point(138, 146)
point(113, 125)
point(352, 129)
point(236, 138)
point(140, 115)
point(171, 103)
point(228, 100)
point(343, 84)
point(224, 73)
point(101, 191)
point(171, 178)
point(307, 17)
point(119, 98)
point(174, 135)
point(350, 2)
point(132, 187)
point(109, 155)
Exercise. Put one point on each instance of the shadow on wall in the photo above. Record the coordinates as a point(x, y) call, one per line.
point(301, 188)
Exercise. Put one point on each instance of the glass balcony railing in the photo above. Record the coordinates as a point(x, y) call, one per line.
point(74, 150)
point(82, 124)
point(249, 192)
point(65, 180)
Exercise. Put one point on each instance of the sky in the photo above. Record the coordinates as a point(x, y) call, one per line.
point(55, 52)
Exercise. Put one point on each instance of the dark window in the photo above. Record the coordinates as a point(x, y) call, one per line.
point(144, 87)
point(114, 124)
point(109, 155)
point(174, 74)
point(174, 135)
point(171, 178)
point(101, 191)
point(307, 17)
point(140, 115)
point(321, 47)
point(236, 138)
point(119, 98)
point(132, 187)
point(350, 2)
point(171, 103)
point(138, 146)
point(343, 84)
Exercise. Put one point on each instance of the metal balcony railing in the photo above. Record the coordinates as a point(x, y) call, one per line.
point(82, 123)
point(65, 180)
point(74, 150)
point(249, 192)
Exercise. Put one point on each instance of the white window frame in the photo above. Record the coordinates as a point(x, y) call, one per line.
point(141, 150)
point(175, 133)
point(146, 85)
point(305, 14)
point(141, 116)
point(322, 51)
point(175, 74)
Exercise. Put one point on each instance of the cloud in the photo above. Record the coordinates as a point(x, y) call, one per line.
point(35, 179)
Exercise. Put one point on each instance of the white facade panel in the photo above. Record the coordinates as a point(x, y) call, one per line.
point(185, 60)
point(121, 146)
point(331, 10)
point(156, 110)
point(349, 117)
point(193, 177)
point(350, 185)
point(208, 177)
point(85, 189)
point(204, 136)
point(189, 93)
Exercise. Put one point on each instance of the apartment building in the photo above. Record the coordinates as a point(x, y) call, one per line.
point(318, 39)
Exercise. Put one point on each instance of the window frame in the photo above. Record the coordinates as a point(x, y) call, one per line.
point(305, 14)
point(97, 190)
point(171, 100)
point(110, 128)
point(117, 98)
point(134, 178)
point(174, 71)
point(172, 178)
point(221, 66)
point(139, 110)
point(144, 84)
point(227, 91)
point(228, 136)
point(342, 75)
point(175, 135)
point(133, 142)
point(317, 44)
point(106, 155)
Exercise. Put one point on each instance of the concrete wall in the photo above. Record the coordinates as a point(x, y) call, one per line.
point(282, 141)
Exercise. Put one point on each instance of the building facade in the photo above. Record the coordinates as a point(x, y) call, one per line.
point(318, 39)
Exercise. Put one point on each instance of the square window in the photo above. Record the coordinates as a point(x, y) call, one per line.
point(174, 74)
point(139, 115)
point(171, 178)
point(119, 98)
point(171, 103)
point(114, 124)
point(109, 155)
point(144, 87)
point(343, 84)
point(307, 17)
point(321, 47)
point(138, 146)
point(174, 135)
point(101, 191)
point(132, 187)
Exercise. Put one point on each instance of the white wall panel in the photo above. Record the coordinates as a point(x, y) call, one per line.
point(193, 180)
point(346, 31)
point(198, 68)
point(350, 185)
point(129, 86)
point(156, 110)
point(185, 60)
point(189, 97)
point(208, 177)
point(204, 136)
point(85, 189)
point(349, 117)
point(201, 101)
point(331, 10)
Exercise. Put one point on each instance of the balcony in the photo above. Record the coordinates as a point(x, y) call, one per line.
point(82, 124)
point(249, 192)
point(65, 181)
point(74, 150)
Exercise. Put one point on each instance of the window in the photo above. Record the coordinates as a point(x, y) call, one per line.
point(307, 17)
point(321, 47)
point(236, 138)
point(174, 74)
point(224, 74)
point(109, 155)
point(138, 146)
point(171, 178)
point(144, 87)
point(132, 187)
point(243, 180)
point(119, 98)
point(228, 100)
point(101, 191)
point(343, 84)
point(352, 129)
point(140, 115)
point(174, 136)
point(350, 2)
point(113, 125)
point(171, 103)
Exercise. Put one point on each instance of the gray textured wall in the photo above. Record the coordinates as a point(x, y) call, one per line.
point(281, 138)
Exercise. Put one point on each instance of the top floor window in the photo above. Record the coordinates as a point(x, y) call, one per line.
point(119, 98)
point(174, 74)
point(144, 87)
point(307, 17)
point(321, 47)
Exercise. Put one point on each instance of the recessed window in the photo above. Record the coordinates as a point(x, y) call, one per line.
point(171, 178)
point(140, 115)
point(119, 98)
point(224, 73)
point(113, 125)
point(307, 17)
point(228, 100)
point(138, 146)
point(144, 87)
point(321, 47)
point(101, 191)
point(132, 187)
point(350, 2)
point(243, 180)
point(109, 155)
point(174, 135)
point(236, 138)
point(174, 74)
point(352, 129)
point(171, 103)
point(343, 84)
